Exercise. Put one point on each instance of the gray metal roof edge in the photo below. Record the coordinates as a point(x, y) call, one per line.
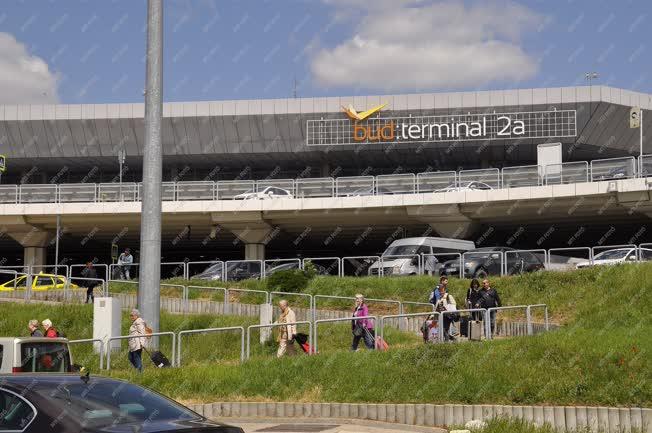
point(416, 101)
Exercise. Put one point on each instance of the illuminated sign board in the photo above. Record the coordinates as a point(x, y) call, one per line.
point(358, 128)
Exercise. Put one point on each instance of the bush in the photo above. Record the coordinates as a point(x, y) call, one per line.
point(290, 281)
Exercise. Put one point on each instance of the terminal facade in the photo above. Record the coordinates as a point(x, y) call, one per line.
point(303, 138)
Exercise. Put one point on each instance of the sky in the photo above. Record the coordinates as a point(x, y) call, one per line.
point(91, 51)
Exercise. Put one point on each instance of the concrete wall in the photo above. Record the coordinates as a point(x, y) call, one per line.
point(568, 418)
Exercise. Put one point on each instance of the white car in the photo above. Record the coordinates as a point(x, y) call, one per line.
point(618, 255)
point(466, 186)
point(267, 193)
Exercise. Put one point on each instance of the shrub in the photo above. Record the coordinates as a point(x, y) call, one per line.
point(290, 280)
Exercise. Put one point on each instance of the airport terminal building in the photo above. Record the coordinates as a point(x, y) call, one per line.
point(357, 171)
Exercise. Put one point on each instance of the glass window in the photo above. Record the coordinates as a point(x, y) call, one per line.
point(60, 280)
point(15, 413)
point(44, 281)
point(646, 254)
point(21, 282)
point(103, 404)
point(45, 357)
point(423, 249)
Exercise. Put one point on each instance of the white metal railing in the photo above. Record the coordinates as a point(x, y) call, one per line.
point(349, 186)
point(211, 330)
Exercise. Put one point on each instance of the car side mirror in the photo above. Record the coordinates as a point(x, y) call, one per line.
point(631, 257)
point(414, 261)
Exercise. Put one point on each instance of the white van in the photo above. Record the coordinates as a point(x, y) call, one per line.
point(402, 256)
point(34, 355)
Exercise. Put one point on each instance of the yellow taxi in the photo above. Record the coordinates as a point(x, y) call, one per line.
point(40, 282)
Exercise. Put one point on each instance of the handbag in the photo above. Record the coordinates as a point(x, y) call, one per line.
point(358, 330)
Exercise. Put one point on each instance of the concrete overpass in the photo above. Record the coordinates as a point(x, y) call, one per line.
point(256, 223)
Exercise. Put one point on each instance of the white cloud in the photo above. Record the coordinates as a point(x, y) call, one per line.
point(24, 78)
point(418, 44)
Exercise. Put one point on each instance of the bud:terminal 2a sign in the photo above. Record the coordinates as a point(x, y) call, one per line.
point(501, 126)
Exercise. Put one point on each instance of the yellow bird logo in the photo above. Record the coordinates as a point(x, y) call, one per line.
point(356, 117)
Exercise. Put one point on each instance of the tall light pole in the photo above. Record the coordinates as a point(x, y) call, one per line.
point(149, 277)
point(589, 76)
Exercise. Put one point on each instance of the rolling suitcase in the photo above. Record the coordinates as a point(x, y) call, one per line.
point(159, 360)
point(475, 330)
point(464, 326)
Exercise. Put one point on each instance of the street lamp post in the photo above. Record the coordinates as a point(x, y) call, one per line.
point(149, 277)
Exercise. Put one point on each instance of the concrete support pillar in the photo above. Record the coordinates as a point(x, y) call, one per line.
point(32, 238)
point(34, 256)
point(254, 251)
point(447, 220)
point(325, 169)
point(250, 228)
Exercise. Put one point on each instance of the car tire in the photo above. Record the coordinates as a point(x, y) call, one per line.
point(480, 273)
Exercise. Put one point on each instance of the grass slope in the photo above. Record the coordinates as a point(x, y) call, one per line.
point(600, 357)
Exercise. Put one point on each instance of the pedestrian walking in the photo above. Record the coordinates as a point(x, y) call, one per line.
point(49, 331)
point(125, 260)
point(430, 265)
point(474, 298)
point(32, 325)
point(490, 299)
point(90, 273)
point(362, 329)
point(137, 330)
point(447, 304)
point(435, 294)
point(288, 331)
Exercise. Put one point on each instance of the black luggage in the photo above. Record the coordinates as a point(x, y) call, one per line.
point(464, 326)
point(159, 360)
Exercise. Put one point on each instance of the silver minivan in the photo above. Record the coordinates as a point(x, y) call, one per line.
point(34, 355)
point(402, 257)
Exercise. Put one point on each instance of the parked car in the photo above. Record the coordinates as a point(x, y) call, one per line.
point(67, 403)
point(615, 256)
point(482, 262)
point(465, 186)
point(369, 190)
point(614, 174)
point(294, 265)
point(34, 354)
point(267, 193)
point(40, 282)
point(401, 256)
point(236, 271)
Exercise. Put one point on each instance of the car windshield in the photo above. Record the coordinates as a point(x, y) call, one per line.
point(481, 252)
point(401, 250)
point(99, 405)
point(213, 269)
point(44, 357)
point(612, 254)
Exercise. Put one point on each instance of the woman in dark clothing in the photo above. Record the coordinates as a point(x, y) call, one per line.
point(474, 298)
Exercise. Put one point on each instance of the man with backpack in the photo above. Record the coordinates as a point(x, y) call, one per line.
point(446, 303)
point(490, 299)
point(435, 294)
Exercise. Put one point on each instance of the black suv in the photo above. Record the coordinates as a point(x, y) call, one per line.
point(481, 262)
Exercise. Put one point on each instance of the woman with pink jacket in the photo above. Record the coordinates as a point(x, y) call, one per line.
point(362, 328)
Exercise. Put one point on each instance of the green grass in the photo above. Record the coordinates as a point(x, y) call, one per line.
point(601, 355)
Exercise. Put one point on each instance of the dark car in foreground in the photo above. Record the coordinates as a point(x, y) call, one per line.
point(482, 262)
point(66, 403)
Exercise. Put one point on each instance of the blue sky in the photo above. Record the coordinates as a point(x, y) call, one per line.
point(84, 51)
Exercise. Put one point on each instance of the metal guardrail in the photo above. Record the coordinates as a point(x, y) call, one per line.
point(92, 340)
point(341, 319)
point(440, 324)
point(528, 317)
point(276, 325)
point(128, 337)
point(381, 322)
point(487, 323)
point(404, 183)
point(209, 330)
